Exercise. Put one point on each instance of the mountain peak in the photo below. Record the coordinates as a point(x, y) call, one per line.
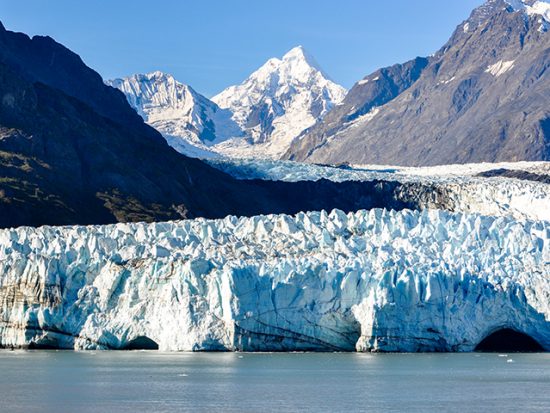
point(150, 93)
point(532, 7)
point(157, 74)
point(540, 9)
point(465, 96)
point(297, 52)
point(281, 99)
point(300, 56)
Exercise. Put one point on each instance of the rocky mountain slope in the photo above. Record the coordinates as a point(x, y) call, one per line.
point(482, 97)
point(73, 151)
point(374, 280)
point(361, 102)
point(259, 117)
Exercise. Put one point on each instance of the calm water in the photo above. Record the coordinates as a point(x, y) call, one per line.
point(50, 381)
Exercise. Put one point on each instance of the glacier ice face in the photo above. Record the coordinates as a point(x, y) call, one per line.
point(373, 280)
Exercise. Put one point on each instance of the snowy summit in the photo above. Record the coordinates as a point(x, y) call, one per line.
point(539, 8)
point(281, 99)
point(260, 117)
point(189, 121)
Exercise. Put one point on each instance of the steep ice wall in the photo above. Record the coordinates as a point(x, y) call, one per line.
point(370, 280)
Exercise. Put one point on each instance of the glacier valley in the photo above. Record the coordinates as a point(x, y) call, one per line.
point(482, 188)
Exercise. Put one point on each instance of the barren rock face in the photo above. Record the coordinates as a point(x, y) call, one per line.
point(480, 98)
point(369, 281)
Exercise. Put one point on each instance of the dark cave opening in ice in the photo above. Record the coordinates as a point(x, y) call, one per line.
point(141, 343)
point(508, 340)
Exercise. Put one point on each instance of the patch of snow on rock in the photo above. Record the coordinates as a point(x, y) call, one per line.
point(500, 67)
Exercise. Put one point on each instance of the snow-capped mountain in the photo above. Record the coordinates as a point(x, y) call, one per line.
point(278, 102)
point(537, 8)
point(190, 122)
point(259, 117)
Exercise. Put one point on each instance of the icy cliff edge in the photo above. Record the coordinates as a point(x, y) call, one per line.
point(369, 281)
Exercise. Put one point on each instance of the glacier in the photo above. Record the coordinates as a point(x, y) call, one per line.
point(377, 280)
point(457, 188)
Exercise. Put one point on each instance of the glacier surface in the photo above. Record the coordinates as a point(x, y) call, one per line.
point(373, 280)
point(462, 187)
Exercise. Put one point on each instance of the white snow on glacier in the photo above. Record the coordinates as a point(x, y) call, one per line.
point(522, 199)
point(371, 280)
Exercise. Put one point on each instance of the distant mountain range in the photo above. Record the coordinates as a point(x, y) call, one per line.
point(73, 151)
point(259, 117)
point(483, 97)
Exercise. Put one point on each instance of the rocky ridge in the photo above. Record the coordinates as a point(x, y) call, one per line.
point(480, 98)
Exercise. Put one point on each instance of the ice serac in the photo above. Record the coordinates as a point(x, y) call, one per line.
point(190, 122)
point(277, 103)
point(375, 280)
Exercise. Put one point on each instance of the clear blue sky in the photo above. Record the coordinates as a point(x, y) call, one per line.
point(211, 44)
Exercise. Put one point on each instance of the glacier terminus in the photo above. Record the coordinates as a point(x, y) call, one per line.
point(377, 280)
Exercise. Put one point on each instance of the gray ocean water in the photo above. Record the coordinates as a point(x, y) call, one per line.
point(139, 381)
